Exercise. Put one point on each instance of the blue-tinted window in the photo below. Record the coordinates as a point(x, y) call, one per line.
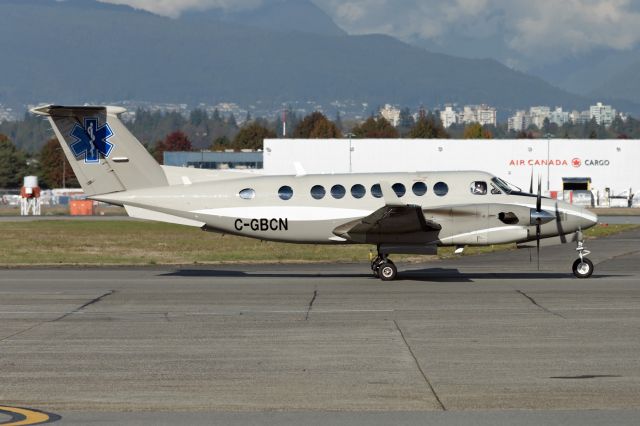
point(358, 191)
point(318, 192)
point(285, 193)
point(399, 189)
point(376, 191)
point(441, 189)
point(419, 188)
point(338, 191)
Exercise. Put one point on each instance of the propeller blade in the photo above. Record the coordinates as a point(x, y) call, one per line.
point(539, 198)
point(538, 244)
point(531, 184)
point(561, 234)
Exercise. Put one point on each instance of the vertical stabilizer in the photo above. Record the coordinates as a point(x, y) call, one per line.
point(104, 155)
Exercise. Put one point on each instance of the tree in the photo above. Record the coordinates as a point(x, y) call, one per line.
point(476, 131)
point(523, 134)
point(406, 119)
point(316, 126)
point(221, 143)
point(53, 163)
point(252, 136)
point(427, 127)
point(375, 128)
point(338, 120)
point(176, 141)
point(13, 164)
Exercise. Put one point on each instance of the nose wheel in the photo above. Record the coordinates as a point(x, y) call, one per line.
point(582, 267)
point(384, 268)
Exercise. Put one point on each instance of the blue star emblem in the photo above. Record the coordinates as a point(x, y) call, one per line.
point(91, 140)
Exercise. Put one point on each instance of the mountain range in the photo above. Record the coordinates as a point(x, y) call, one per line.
point(83, 51)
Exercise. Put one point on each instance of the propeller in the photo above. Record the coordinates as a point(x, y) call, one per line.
point(561, 233)
point(538, 220)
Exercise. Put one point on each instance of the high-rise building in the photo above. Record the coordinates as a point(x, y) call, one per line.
point(448, 117)
point(519, 122)
point(559, 117)
point(391, 114)
point(538, 114)
point(603, 114)
point(483, 114)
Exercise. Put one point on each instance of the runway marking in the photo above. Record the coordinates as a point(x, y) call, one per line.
point(27, 416)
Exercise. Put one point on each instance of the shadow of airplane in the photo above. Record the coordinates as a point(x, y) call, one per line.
point(424, 275)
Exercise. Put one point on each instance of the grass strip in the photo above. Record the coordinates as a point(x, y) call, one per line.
point(147, 243)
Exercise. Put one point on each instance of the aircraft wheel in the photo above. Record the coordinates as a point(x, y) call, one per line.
point(376, 271)
point(388, 271)
point(582, 268)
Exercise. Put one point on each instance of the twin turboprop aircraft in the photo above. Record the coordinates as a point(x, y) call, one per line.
point(399, 213)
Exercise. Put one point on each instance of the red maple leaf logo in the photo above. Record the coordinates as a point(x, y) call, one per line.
point(576, 162)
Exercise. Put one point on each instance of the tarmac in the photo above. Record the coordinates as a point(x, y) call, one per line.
point(483, 340)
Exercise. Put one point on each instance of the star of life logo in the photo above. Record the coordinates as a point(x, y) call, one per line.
point(91, 140)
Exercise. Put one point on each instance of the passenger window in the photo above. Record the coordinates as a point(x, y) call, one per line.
point(441, 189)
point(285, 193)
point(478, 188)
point(419, 188)
point(399, 189)
point(338, 191)
point(318, 192)
point(247, 194)
point(358, 191)
point(376, 191)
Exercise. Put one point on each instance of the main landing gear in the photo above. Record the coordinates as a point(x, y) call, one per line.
point(384, 268)
point(582, 267)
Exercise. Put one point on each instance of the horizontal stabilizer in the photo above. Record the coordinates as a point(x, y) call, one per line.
point(138, 213)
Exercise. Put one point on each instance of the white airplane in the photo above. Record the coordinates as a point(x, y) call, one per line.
point(399, 213)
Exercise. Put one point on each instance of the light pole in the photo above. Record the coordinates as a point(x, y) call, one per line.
point(350, 135)
point(548, 136)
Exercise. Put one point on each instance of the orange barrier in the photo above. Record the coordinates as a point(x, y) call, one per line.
point(81, 208)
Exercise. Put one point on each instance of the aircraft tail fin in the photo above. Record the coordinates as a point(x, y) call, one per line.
point(104, 155)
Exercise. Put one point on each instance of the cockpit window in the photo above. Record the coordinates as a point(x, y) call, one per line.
point(478, 187)
point(505, 187)
point(247, 194)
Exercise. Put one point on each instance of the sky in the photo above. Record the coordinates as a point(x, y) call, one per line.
point(520, 33)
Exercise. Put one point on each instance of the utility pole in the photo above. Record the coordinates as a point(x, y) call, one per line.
point(548, 136)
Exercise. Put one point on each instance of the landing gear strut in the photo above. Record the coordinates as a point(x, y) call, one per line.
point(582, 267)
point(384, 268)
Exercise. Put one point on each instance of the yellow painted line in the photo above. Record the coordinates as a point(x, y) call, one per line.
point(26, 417)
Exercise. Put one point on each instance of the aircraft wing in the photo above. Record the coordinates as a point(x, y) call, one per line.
point(388, 220)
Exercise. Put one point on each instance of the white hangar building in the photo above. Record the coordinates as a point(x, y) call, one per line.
point(609, 167)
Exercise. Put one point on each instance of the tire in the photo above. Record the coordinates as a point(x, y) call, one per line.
point(388, 271)
point(582, 268)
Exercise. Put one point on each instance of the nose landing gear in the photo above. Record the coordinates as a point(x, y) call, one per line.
point(582, 267)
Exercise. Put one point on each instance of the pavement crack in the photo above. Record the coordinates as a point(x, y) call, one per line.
point(75, 311)
point(533, 301)
point(424, 376)
point(86, 305)
point(313, 299)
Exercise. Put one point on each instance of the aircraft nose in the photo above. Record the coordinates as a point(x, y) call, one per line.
point(586, 219)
